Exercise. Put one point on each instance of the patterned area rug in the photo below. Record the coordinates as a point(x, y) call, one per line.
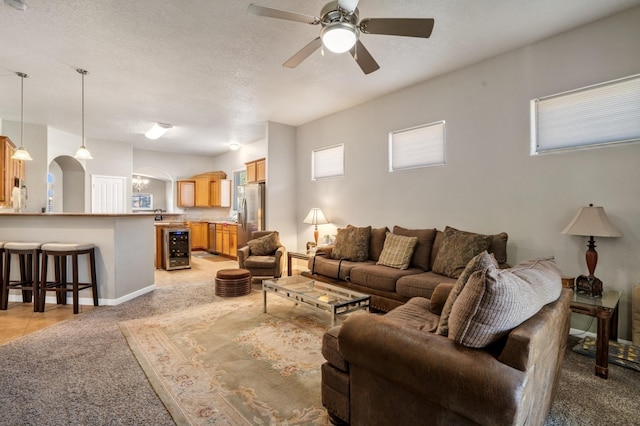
point(619, 353)
point(229, 363)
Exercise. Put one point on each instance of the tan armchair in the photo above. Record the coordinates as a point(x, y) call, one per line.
point(268, 261)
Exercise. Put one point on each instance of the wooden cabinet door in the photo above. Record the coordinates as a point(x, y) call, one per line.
point(186, 193)
point(202, 191)
point(199, 235)
point(225, 241)
point(252, 172)
point(225, 193)
point(261, 170)
point(214, 193)
point(233, 241)
point(218, 238)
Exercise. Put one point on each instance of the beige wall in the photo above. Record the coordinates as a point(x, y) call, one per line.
point(490, 182)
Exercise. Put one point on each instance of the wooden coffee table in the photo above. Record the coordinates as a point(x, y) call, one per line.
point(317, 295)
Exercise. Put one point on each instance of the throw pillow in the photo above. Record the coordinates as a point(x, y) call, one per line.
point(457, 249)
point(495, 301)
point(352, 243)
point(422, 253)
point(478, 263)
point(376, 242)
point(397, 251)
point(264, 245)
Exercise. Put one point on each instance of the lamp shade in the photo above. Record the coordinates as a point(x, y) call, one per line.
point(339, 37)
point(591, 222)
point(315, 217)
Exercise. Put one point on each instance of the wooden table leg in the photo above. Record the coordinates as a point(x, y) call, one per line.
point(602, 344)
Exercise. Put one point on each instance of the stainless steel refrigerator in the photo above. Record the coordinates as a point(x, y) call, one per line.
point(251, 216)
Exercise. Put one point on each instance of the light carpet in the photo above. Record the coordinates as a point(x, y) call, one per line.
point(229, 363)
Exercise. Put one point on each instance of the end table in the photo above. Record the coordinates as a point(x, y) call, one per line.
point(605, 309)
point(295, 255)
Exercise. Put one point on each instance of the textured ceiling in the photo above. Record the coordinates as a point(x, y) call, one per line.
point(215, 71)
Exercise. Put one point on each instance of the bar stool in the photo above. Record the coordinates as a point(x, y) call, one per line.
point(29, 282)
point(60, 284)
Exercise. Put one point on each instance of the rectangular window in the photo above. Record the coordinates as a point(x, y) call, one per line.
point(601, 114)
point(420, 146)
point(327, 162)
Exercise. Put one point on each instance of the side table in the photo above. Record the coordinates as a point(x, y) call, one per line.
point(605, 309)
point(295, 255)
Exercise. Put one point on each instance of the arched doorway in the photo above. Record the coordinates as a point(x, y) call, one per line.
point(66, 185)
point(162, 186)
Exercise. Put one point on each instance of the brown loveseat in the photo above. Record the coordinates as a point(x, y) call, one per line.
point(390, 287)
point(395, 369)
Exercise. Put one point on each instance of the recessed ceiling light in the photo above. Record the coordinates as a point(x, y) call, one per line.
point(17, 4)
point(234, 146)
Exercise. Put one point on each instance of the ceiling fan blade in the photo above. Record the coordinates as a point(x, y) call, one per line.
point(303, 53)
point(348, 5)
point(409, 27)
point(282, 14)
point(363, 58)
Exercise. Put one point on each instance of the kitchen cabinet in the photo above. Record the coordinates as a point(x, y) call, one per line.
point(227, 239)
point(186, 193)
point(210, 189)
point(199, 235)
point(256, 171)
point(9, 170)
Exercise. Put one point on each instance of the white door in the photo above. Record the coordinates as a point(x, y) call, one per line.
point(108, 194)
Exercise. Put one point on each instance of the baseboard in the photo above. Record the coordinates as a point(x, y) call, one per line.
point(89, 300)
point(582, 333)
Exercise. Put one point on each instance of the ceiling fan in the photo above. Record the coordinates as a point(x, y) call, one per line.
point(341, 30)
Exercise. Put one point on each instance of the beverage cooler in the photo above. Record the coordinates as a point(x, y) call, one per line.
point(177, 248)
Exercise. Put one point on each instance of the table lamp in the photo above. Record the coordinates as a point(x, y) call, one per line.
point(591, 222)
point(315, 217)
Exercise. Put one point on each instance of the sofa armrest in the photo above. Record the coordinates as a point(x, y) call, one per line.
point(469, 382)
point(243, 253)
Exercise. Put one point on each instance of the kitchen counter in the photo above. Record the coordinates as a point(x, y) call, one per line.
point(124, 247)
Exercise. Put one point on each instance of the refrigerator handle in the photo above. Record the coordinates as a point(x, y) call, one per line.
point(243, 221)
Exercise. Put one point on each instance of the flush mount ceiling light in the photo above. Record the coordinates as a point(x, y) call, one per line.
point(83, 153)
point(17, 4)
point(234, 146)
point(157, 130)
point(21, 153)
point(339, 37)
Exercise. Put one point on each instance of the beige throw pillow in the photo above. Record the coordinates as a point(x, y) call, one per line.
point(478, 263)
point(457, 249)
point(352, 244)
point(422, 253)
point(495, 301)
point(397, 251)
point(265, 245)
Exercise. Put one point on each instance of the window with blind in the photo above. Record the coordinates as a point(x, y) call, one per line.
point(602, 114)
point(420, 146)
point(327, 162)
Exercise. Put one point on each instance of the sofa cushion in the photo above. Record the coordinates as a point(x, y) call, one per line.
point(260, 262)
point(439, 297)
point(397, 251)
point(264, 245)
point(352, 243)
point(498, 247)
point(478, 263)
point(379, 277)
point(376, 242)
point(420, 285)
point(334, 268)
point(422, 254)
point(416, 313)
point(457, 249)
point(495, 301)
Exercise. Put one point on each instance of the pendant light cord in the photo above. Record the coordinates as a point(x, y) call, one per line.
point(22, 77)
point(83, 73)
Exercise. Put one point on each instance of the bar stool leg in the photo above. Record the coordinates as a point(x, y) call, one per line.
point(94, 278)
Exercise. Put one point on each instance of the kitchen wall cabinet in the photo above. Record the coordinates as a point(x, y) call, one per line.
point(227, 239)
point(199, 235)
point(210, 189)
point(9, 170)
point(256, 171)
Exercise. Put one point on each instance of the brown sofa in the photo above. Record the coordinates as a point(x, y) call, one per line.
point(393, 369)
point(391, 287)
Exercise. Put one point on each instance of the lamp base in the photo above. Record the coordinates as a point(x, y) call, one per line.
point(589, 285)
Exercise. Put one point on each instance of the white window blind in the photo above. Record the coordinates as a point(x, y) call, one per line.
point(596, 115)
point(327, 162)
point(420, 146)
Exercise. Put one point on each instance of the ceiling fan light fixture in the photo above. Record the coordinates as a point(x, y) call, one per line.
point(234, 146)
point(157, 130)
point(339, 37)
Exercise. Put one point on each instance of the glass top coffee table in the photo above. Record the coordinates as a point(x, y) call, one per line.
point(316, 294)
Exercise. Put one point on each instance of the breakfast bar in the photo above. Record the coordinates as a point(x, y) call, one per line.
point(124, 247)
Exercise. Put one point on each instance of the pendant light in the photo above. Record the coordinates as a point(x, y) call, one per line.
point(21, 153)
point(83, 153)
